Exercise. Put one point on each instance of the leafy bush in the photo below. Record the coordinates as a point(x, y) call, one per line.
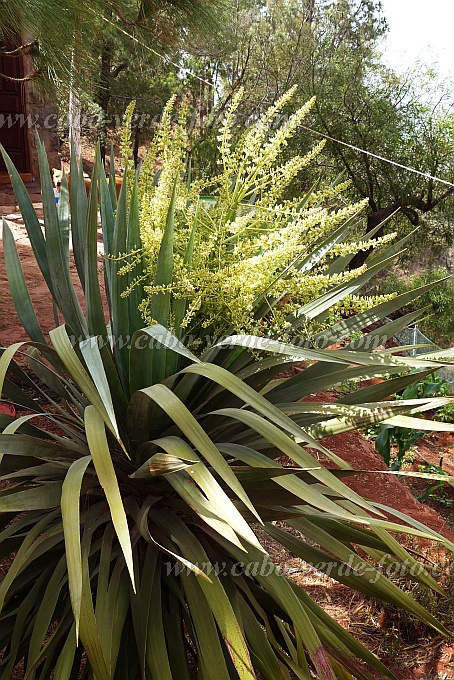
point(128, 498)
point(435, 491)
point(446, 414)
point(404, 437)
point(438, 325)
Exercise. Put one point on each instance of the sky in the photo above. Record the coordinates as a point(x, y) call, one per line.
point(421, 29)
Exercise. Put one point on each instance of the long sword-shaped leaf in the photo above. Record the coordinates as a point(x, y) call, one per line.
point(360, 321)
point(57, 257)
point(340, 264)
point(358, 577)
point(160, 302)
point(70, 510)
point(217, 498)
point(63, 216)
point(285, 444)
point(334, 356)
point(141, 603)
point(341, 634)
point(44, 617)
point(65, 661)
point(78, 211)
point(259, 403)
point(214, 593)
point(304, 264)
point(184, 419)
point(157, 655)
point(119, 305)
point(41, 497)
point(67, 354)
point(134, 245)
point(112, 182)
point(94, 307)
point(316, 308)
point(279, 589)
point(146, 346)
point(18, 287)
point(92, 357)
point(108, 226)
point(211, 656)
point(99, 449)
point(89, 633)
point(32, 224)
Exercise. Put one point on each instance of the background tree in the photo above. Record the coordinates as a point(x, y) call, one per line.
point(331, 49)
point(83, 47)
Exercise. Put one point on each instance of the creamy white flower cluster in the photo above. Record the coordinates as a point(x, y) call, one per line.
point(244, 244)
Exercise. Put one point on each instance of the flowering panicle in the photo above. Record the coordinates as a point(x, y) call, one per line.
point(244, 240)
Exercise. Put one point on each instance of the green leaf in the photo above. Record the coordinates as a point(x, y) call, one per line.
point(65, 661)
point(18, 287)
point(286, 445)
point(214, 593)
point(305, 264)
point(119, 305)
point(39, 539)
point(320, 305)
point(420, 424)
point(157, 655)
point(362, 576)
point(280, 590)
point(67, 354)
point(42, 497)
point(184, 419)
point(211, 656)
point(99, 449)
point(213, 505)
point(89, 633)
point(70, 510)
point(45, 615)
point(134, 244)
point(31, 221)
point(78, 201)
point(146, 351)
point(94, 307)
point(92, 357)
point(57, 257)
point(108, 227)
point(63, 216)
point(160, 302)
point(112, 182)
point(141, 602)
point(260, 404)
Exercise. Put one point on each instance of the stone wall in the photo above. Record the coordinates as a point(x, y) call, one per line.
point(41, 113)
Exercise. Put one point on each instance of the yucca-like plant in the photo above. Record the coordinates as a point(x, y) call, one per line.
point(129, 502)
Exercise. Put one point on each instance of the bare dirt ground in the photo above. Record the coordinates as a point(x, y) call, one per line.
point(410, 649)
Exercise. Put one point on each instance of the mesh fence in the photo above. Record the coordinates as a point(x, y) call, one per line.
point(413, 336)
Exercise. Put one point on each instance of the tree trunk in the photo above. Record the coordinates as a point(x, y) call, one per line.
point(74, 113)
point(373, 220)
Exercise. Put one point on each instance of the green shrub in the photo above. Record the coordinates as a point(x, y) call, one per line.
point(127, 501)
point(446, 414)
point(438, 324)
point(404, 438)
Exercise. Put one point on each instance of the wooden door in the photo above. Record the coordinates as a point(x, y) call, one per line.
point(13, 122)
